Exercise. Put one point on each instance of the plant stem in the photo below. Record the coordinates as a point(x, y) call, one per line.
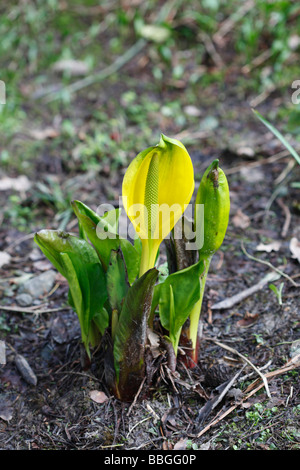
point(196, 310)
point(149, 252)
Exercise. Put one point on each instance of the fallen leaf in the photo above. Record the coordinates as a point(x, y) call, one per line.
point(42, 134)
point(248, 320)
point(6, 413)
point(295, 248)
point(25, 370)
point(193, 111)
point(274, 246)
point(42, 265)
point(181, 444)
point(98, 396)
point(153, 339)
point(4, 258)
point(241, 220)
point(21, 183)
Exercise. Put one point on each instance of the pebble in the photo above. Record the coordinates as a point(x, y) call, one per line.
point(24, 300)
point(39, 285)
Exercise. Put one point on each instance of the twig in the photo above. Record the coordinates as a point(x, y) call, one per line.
point(117, 64)
point(19, 240)
point(287, 217)
point(210, 47)
point(254, 102)
point(267, 263)
point(234, 351)
point(286, 171)
point(32, 310)
point(229, 23)
point(235, 299)
point(136, 396)
point(260, 59)
point(137, 424)
point(263, 161)
point(287, 367)
point(103, 74)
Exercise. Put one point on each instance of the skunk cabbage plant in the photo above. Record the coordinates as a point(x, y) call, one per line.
point(115, 285)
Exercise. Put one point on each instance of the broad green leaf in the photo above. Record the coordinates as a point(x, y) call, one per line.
point(278, 135)
point(130, 336)
point(78, 262)
point(102, 232)
point(110, 219)
point(117, 281)
point(101, 320)
point(93, 225)
point(185, 291)
point(132, 259)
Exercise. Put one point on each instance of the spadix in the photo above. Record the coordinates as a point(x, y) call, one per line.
point(157, 188)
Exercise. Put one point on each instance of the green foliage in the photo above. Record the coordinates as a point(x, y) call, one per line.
point(78, 262)
point(175, 297)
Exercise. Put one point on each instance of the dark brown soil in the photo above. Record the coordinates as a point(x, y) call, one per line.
point(179, 410)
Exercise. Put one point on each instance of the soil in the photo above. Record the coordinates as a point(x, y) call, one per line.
point(57, 411)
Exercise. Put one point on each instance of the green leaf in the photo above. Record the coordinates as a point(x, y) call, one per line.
point(78, 262)
point(117, 280)
point(102, 232)
point(94, 226)
point(176, 303)
point(130, 336)
point(278, 135)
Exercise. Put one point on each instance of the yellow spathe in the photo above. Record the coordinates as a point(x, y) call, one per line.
point(157, 187)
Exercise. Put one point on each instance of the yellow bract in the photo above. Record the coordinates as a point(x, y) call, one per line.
point(157, 187)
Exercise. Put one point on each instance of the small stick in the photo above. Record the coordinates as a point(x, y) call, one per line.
point(234, 351)
point(287, 217)
point(32, 309)
point(270, 266)
point(136, 396)
point(270, 375)
point(230, 301)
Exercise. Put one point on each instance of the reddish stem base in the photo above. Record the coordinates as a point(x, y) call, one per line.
point(190, 359)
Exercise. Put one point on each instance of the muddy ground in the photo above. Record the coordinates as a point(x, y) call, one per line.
point(179, 411)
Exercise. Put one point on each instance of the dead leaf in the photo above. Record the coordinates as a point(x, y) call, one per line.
point(43, 134)
point(181, 444)
point(21, 183)
point(25, 370)
point(98, 396)
point(240, 220)
point(295, 248)
point(274, 246)
point(248, 320)
point(5, 413)
point(4, 258)
point(42, 265)
point(153, 339)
